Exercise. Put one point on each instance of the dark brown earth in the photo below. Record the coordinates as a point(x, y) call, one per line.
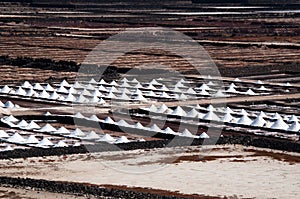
point(70, 31)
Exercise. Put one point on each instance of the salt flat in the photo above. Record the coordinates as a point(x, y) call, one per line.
point(216, 171)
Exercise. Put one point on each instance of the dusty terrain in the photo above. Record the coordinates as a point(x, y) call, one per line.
point(255, 36)
point(236, 170)
point(259, 41)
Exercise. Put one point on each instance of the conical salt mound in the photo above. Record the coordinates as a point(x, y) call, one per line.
point(203, 92)
point(16, 138)
point(152, 108)
point(11, 118)
point(179, 112)
point(191, 91)
point(48, 113)
point(48, 87)
point(244, 120)
point(233, 85)
point(176, 90)
point(31, 140)
point(82, 99)
point(48, 128)
point(93, 81)
point(54, 96)
point(106, 138)
point(250, 92)
point(180, 85)
point(192, 113)
point(94, 99)
point(23, 123)
point(164, 88)
point(210, 115)
point(204, 87)
point(293, 118)
point(164, 95)
point(31, 93)
point(64, 83)
point(72, 90)
point(259, 122)
point(182, 96)
point(77, 144)
point(219, 93)
point(262, 88)
point(262, 114)
point(243, 112)
point(187, 133)
point(125, 97)
point(113, 83)
point(210, 83)
point(44, 94)
point(103, 82)
point(154, 82)
point(38, 86)
point(5, 89)
point(9, 104)
point(231, 90)
point(123, 123)
point(138, 126)
point(227, 117)
point(276, 116)
point(228, 110)
point(287, 84)
point(3, 134)
point(8, 148)
point(137, 86)
point(92, 136)
point(45, 142)
point(108, 120)
point(141, 98)
point(259, 82)
point(62, 130)
point(20, 91)
point(111, 95)
point(150, 87)
point(85, 92)
point(94, 118)
point(154, 128)
point(32, 125)
point(113, 89)
point(26, 84)
point(77, 133)
point(97, 93)
point(204, 136)
point(138, 92)
point(210, 108)
point(70, 98)
point(62, 89)
point(279, 124)
point(162, 108)
point(122, 139)
point(90, 87)
point(294, 127)
point(61, 144)
point(126, 85)
point(79, 115)
point(77, 85)
point(168, 130)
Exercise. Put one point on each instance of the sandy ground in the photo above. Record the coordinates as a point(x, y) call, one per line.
point(14, 193)
point(219, 171)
